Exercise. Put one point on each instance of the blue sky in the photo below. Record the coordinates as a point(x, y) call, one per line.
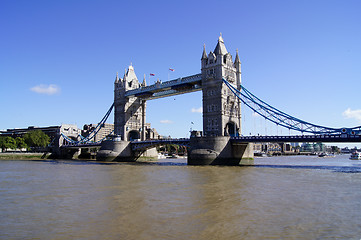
point(58, 59)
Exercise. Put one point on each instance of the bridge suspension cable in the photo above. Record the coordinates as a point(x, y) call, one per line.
point(93, 133)
point(283, 119)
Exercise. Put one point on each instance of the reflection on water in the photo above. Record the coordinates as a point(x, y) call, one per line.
point(279, 197)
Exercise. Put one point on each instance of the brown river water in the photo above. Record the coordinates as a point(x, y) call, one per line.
point(299, 197)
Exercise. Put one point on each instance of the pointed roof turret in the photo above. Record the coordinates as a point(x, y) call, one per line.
point(125, 73)
point(220, 38)
point(144, 84)
point(130, 74)
point(220, 48)
point(116, 78)
point(130, 79)
point(236, 60)
point(204, 54)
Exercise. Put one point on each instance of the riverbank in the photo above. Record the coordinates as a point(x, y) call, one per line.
point(23, 156)
point(42, 156)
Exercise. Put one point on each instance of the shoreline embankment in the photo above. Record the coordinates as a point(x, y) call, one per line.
point(23, 156)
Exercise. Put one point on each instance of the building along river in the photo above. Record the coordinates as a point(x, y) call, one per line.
point(297, 197)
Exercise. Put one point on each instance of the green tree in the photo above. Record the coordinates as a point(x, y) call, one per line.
point(10, 143)
point(2, 143)
point(20, 143)
point(36, 138)
point(172, 148)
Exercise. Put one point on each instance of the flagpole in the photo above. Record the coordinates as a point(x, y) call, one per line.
point(170, 69)
point(151, 75)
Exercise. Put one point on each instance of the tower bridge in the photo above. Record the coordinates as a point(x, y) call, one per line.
point(221, 141)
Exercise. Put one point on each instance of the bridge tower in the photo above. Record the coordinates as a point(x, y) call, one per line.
point(129, 112)
point(221, 112)
point(221, 108)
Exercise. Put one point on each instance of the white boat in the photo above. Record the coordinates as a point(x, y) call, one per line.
point(323, 154)
point(355, 156)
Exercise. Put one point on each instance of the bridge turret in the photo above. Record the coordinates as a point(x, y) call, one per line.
point(129, 112)
point(204, 58)
point(130, 79)
point(220, 48)
point(144, 84)
point(116, 79)
point(237, 65)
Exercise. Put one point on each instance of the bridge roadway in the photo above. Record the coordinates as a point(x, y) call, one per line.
point(142, 145)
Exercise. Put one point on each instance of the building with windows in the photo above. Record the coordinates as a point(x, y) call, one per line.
point(104, 131)
point(53, 132)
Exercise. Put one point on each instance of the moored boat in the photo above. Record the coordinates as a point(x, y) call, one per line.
point(355, 156)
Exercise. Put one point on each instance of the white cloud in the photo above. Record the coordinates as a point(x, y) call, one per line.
point(197, 110)
point(355, 114)
point(166, 121)
point(46, 89)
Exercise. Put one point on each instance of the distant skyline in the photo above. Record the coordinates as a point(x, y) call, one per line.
point(59, 59)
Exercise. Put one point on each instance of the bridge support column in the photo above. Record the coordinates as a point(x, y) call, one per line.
point(116, 150)
point(143, 133)
point(65, 153)
point(219, 151)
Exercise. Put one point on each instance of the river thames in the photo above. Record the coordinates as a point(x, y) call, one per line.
point(298, 197)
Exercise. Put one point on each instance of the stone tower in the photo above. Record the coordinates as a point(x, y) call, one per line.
point(129, 112)
point(221, 108)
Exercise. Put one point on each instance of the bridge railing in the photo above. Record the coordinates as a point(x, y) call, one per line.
point(301, 138)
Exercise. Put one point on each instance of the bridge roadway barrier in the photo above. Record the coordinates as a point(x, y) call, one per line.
point(300, 138)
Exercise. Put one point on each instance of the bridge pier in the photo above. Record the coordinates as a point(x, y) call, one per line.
point(116, 150)
point(219, 151)
point(65, 153)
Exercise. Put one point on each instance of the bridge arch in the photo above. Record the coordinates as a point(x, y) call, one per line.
point(133, 135)
point(231, 129)
point(144, 145)
point(65, 141)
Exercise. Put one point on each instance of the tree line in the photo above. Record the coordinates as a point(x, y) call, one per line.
point(30, 140)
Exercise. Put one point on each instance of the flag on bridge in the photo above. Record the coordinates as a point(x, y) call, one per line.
point(171, 69)
point(152, 74)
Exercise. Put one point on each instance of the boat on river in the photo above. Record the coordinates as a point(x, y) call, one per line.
point(355, 156)
point(324, 154)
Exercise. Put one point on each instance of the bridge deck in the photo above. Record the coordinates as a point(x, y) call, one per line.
point(169, 88)
point(139, 145)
